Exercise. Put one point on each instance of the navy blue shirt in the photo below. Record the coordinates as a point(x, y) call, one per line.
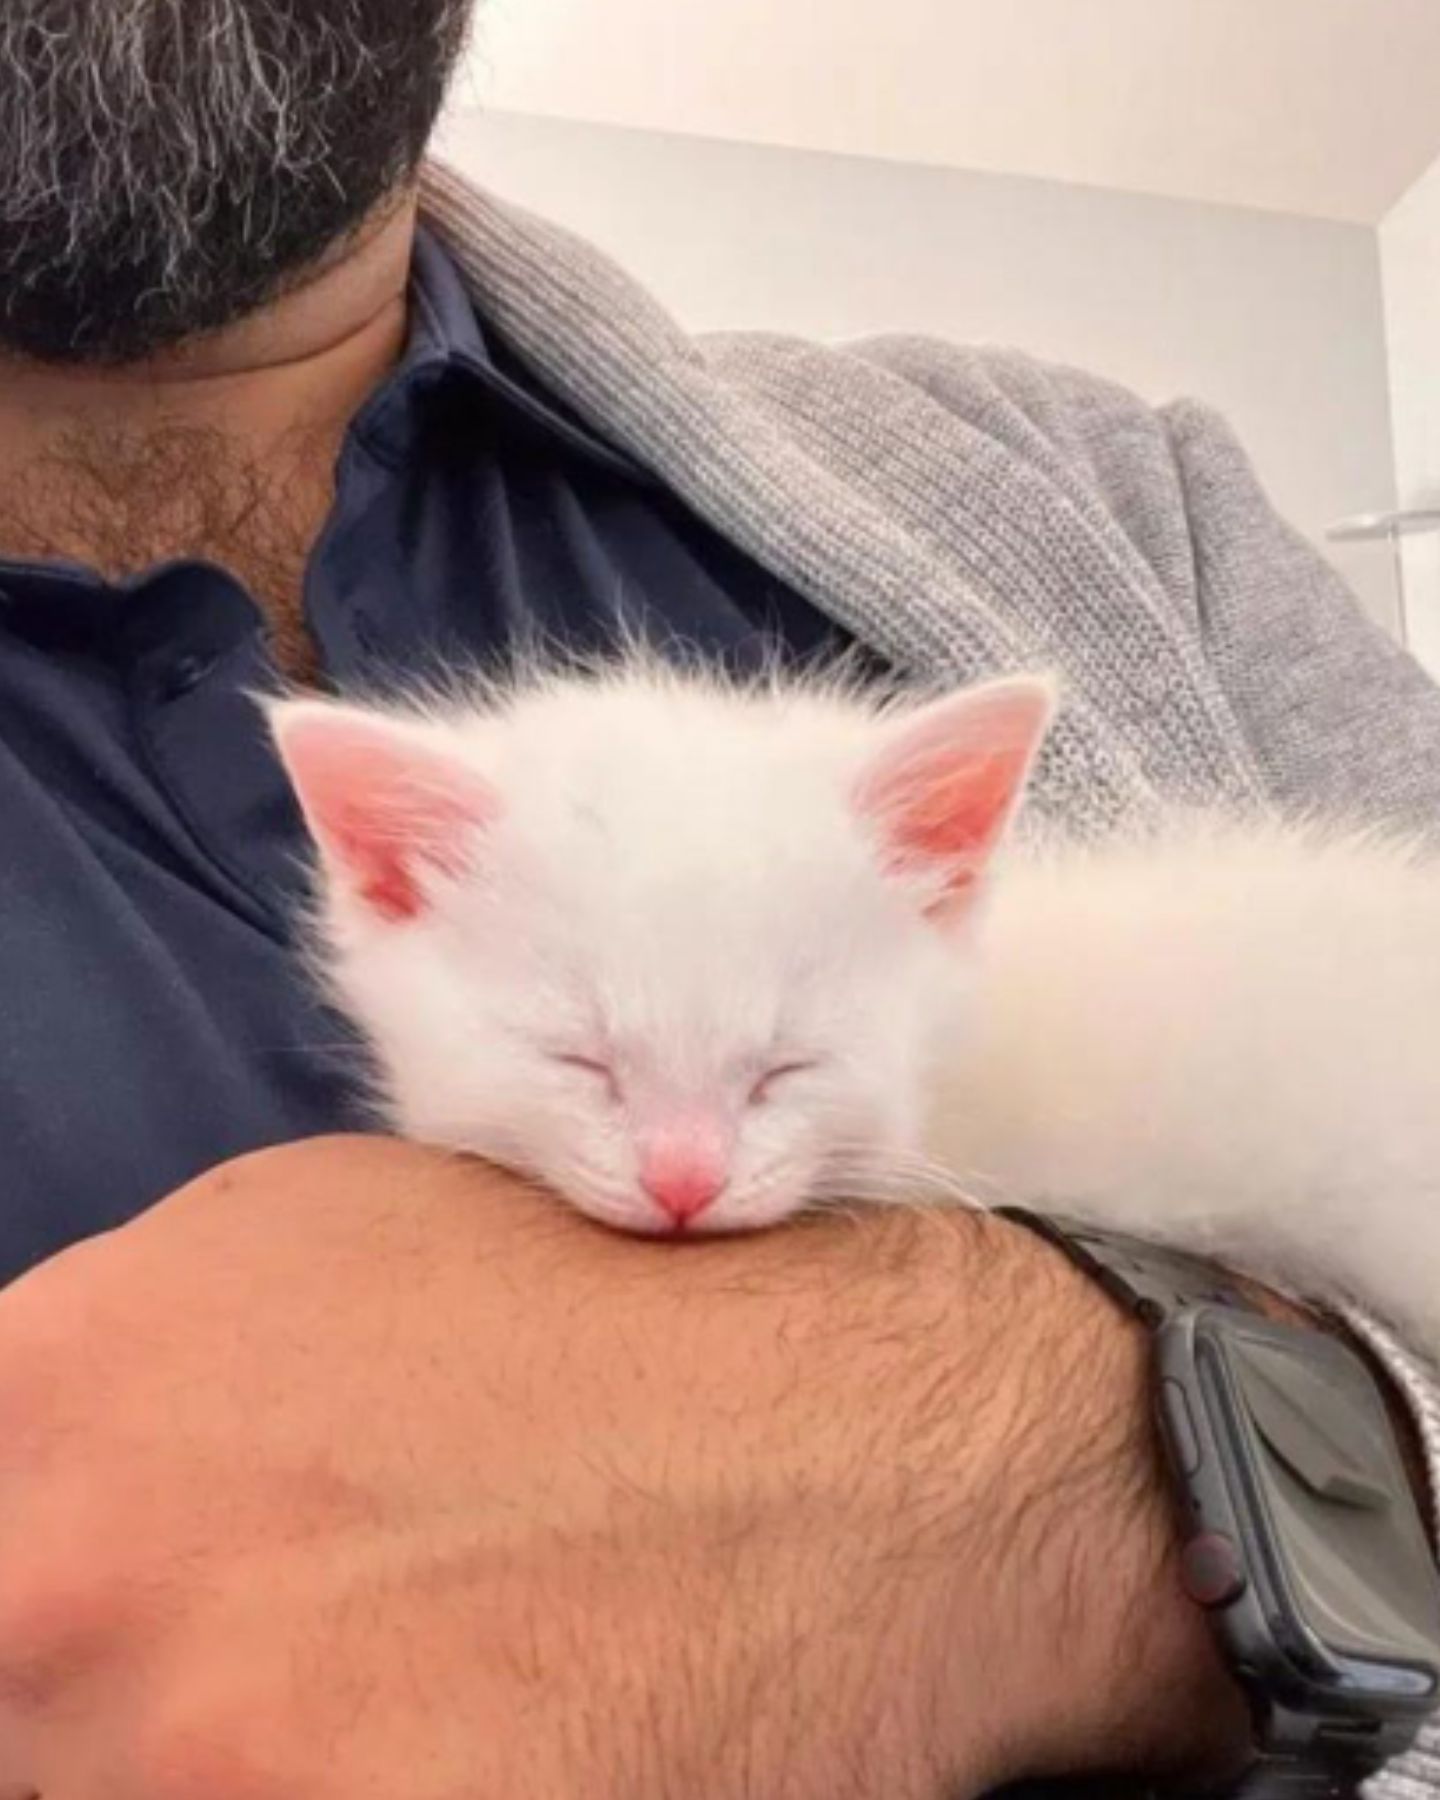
point(155, 1021)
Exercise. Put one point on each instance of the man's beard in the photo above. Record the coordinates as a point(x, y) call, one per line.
point(168, 166)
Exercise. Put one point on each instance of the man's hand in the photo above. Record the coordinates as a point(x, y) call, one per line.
point(356, 1472)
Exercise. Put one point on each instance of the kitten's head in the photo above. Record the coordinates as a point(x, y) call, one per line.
point(679, 950)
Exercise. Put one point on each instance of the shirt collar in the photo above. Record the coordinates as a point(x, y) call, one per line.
point(448, 344)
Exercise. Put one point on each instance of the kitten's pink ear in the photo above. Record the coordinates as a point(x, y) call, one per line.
point(387, 807)
point(944, 788)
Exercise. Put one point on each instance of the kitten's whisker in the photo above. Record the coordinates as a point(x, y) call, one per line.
point(908, 1178)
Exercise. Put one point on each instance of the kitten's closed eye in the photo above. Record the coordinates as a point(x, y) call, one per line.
point(764, 1088)
point(594, 1067)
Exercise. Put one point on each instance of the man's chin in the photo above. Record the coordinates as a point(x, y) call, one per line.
point(96, 325)
point(100, 329)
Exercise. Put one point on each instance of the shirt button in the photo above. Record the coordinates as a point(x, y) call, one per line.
point(185, 675)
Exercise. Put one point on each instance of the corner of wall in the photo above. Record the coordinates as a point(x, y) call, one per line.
point(1409, 238)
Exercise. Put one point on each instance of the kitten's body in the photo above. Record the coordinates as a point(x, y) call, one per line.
point(699, 957)
point(1227, 1035)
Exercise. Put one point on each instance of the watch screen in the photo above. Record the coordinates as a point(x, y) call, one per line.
point(1343, 1530)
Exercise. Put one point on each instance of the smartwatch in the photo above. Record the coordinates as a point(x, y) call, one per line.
point(1302, 1538)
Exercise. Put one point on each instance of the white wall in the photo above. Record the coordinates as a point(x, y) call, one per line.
point(1276, 320)
point(1319, 107)
point(1410, 248)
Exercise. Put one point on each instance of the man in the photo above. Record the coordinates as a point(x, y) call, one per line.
point(347, 1470)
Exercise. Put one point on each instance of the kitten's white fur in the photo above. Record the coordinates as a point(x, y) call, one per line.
point(1225, 1033)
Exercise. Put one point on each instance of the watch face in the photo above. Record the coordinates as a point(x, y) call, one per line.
point(1334, 1549)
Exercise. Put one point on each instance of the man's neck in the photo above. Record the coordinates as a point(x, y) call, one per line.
point(223, 449)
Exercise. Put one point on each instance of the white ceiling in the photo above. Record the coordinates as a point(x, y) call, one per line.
point(1324, 107)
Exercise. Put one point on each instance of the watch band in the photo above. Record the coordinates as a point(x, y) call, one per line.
point(1266, 1781)
point(1149, 1280)
point(1274, 1780)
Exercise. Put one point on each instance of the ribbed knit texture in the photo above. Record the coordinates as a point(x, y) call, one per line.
point(966, 512)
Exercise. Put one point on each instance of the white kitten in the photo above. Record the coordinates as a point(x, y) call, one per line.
point(698, 956)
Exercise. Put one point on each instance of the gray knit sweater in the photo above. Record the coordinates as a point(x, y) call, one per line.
point(970, 511)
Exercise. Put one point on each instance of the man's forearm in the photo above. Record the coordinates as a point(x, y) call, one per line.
point(863, 1509)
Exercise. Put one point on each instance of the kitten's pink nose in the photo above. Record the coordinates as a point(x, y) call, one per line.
point(682, 1179)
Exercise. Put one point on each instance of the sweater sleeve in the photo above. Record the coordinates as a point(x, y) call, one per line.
point(1339, 718)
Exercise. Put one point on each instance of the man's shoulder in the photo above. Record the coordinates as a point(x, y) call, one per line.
point(1077, 429)
point(1008, 393)
point(972, 378)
